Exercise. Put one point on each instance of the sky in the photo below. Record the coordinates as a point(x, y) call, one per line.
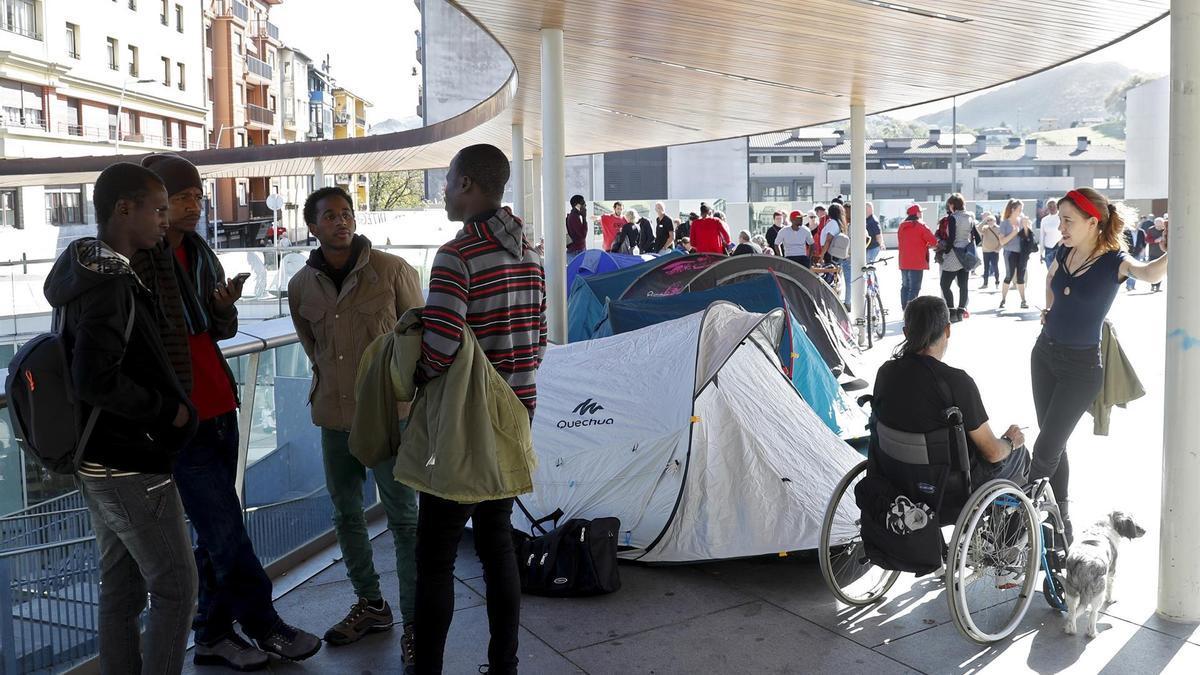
point(372, 47)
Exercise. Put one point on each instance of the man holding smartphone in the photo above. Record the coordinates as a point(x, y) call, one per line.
point(198, 310)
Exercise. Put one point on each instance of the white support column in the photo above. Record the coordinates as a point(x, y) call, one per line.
point(318, 173)
point(554, 183)
point(535, 171)
point(1179, 543)
point(858, 211)
point(518, 171)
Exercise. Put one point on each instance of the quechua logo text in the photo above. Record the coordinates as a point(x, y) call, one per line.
point(587, 411)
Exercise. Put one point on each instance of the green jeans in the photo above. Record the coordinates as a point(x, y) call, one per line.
point(344, 477)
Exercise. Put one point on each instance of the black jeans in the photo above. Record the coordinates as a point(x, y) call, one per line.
point(440, 526)
point(1066, 381)
point(1015, 265)
point(948, 279)
point(233, 584)
point(801, 259)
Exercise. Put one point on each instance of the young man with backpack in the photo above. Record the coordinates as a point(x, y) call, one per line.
point(198, 309)
point(118, 366)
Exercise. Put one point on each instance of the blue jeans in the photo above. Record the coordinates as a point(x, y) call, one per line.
point(873, 254)
point(991, 266)
point(910, 286)
point(233, 584)
point(1048, 256)
point(344, 478)
point(145, 551)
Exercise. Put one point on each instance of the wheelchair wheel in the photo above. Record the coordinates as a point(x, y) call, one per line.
point(1054, 550)
point(994, 559)
point(847, 571)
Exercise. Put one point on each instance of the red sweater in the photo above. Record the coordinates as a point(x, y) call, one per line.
point(914, 240)
point(708, 235)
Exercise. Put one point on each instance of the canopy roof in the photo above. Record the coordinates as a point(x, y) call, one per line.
point(713, 69)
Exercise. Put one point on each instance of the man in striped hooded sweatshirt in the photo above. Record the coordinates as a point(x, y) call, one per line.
point(489, 278)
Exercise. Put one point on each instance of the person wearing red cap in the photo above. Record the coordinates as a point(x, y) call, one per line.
point(793, 242)
point(914, 240)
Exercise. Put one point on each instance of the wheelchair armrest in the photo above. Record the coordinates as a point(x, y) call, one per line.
point(864, 400)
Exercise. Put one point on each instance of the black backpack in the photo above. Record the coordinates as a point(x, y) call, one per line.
point(42, 404)
point(575, 559)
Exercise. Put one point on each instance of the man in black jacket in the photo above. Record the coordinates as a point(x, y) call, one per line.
point(125, 475)
point(198, 310)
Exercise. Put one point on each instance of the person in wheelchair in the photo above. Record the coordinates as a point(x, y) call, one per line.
point(908, 396)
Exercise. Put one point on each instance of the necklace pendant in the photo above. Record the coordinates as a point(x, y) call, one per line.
point(1067, 290)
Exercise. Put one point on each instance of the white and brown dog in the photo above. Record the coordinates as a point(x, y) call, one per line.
point(1091, 565)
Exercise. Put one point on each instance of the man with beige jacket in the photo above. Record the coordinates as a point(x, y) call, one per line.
point(344, 297)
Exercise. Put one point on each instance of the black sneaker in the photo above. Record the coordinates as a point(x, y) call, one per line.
point(231, 652)
point(362, 620)
point(288, 642)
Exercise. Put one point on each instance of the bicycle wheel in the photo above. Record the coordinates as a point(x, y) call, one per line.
point(870, 323)
point(878, 317)
point(994, 561)
point(852, 577)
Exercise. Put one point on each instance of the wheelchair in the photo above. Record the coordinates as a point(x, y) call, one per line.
point(1003, 535)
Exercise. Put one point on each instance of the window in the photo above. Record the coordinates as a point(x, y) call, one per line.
point(237, 42)
point(20, 17)
point(272, 103)
point(72, 36)
point(241, 140)
point(179, 18)
point(22, 105)
point(208, 35)
point(10, 210)
point(241, 194)
point(112, 54)
point(133, 61)
point(210, 89)
point(166, 71)
point(74, 123)
point(64, 205)
point(182, 76)
point(162, 16)
point(241, 95)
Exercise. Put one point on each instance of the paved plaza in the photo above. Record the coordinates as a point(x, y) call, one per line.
point(774, 614)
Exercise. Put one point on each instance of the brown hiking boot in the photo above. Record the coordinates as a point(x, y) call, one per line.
point(362, 619)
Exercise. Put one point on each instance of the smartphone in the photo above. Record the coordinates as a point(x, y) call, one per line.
point(241, 278)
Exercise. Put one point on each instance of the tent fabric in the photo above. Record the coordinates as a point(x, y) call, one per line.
point(593, 261)
point(683, 449)
point(585, 304)
point(760, 293)
point(812, 300)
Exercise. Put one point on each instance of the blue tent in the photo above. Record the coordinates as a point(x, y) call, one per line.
point(594, 261)
point(585, 305)
point(809, 372)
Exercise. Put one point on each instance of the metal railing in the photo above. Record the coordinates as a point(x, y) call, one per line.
point(257, 113)
point(49, 564)
point(259, 67)
point(268, 30)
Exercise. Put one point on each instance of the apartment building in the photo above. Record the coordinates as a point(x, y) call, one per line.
point(242, 48)
point(75, 81)
point(350, 121)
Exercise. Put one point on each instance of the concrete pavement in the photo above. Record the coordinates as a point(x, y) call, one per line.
point(774, 614)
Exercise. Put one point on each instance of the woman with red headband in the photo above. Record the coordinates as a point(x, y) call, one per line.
point(1088, 269)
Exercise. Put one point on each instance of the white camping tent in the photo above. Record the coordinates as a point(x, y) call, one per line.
point(691, 434)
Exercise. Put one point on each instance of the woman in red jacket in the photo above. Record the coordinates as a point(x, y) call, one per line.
point(914, 241)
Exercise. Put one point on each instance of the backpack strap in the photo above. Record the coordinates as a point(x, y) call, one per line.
point(953, 417)
point(95, 413)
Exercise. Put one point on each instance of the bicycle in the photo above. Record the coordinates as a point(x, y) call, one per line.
point(876, 314)
point(1003, 536)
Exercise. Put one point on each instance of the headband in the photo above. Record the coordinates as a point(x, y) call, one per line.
point(1084, 204)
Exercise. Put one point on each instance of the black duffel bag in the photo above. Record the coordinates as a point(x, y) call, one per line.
point(575, 559)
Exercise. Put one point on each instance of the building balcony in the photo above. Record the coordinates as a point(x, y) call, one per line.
point(22, 118)
point(903, 176)
point(259, 68)
point(268, 30)
point(786, 169)
point(289, 121)
point(232, 8)
point(362, 121)
point(258, 115)
point(1025, 184)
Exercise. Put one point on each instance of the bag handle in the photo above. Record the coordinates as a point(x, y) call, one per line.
point(94, 415)
point(536, 523)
